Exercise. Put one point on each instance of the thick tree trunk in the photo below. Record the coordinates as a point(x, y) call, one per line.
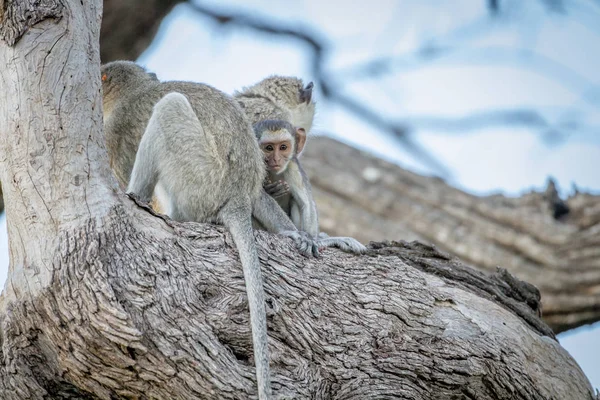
point(105, 300)
point(553, 244)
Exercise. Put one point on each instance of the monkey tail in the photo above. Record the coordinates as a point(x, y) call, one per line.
point(237, 218)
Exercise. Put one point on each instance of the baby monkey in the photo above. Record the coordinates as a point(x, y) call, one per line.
point(282, 110)
point(281, 144)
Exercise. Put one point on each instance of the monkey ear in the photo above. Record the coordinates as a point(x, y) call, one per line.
point(306, 93)
point(104, 77)
point(300, 140)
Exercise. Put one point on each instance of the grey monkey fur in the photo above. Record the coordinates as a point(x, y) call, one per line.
point(128, 99)
point(200, 148)
point(287, 104)
point(279, 97)
point(298, 202)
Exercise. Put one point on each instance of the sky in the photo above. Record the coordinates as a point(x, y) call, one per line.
point(528, 58)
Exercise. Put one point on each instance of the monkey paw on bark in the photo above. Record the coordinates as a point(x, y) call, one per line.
point(305, 244)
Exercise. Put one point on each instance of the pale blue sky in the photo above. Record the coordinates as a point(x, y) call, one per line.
point(484, 73)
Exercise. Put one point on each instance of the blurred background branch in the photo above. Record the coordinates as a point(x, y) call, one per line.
point(129, 26)
point(320, 50)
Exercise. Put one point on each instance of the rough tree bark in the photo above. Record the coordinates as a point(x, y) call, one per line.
point(106, 300)
point(551, 243)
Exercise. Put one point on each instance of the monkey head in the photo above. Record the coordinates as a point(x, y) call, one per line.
point(118, 77)
point(279, 142)
point(288, 93)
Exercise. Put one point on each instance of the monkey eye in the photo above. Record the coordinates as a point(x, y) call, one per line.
point(283, 147)
point(269, 147)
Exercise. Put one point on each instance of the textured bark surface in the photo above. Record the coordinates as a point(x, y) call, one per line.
point(53, 163)
point(144, 308)
point(552, 244)
point(16, 17)
point(128, 27)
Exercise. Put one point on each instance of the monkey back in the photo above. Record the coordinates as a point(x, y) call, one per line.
point(129, 95)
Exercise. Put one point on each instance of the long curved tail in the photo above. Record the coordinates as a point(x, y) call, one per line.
point(237, 218)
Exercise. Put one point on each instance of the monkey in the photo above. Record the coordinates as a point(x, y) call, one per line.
point(281, 145)
point(199, 147)
point(286, 99)
point(279, 98)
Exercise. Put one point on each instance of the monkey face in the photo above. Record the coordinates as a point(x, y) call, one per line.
point(277, 154)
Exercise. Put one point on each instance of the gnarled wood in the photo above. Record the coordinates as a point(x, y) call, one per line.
point(554, 245)
point(144, 308)
point(16, 17)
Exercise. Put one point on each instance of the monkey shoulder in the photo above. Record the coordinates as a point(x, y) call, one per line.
point(209, 103)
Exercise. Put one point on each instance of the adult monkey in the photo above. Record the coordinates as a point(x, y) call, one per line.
point(219, 180)
point(279, 97)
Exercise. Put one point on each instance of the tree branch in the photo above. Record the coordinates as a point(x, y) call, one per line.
point(106, 301)
point(538, 237)
point(159, 310)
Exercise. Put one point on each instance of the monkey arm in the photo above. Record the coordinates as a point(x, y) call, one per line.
point(272, 217)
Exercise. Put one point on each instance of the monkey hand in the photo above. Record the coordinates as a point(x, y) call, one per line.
point(307, 246)
point(276, 189)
